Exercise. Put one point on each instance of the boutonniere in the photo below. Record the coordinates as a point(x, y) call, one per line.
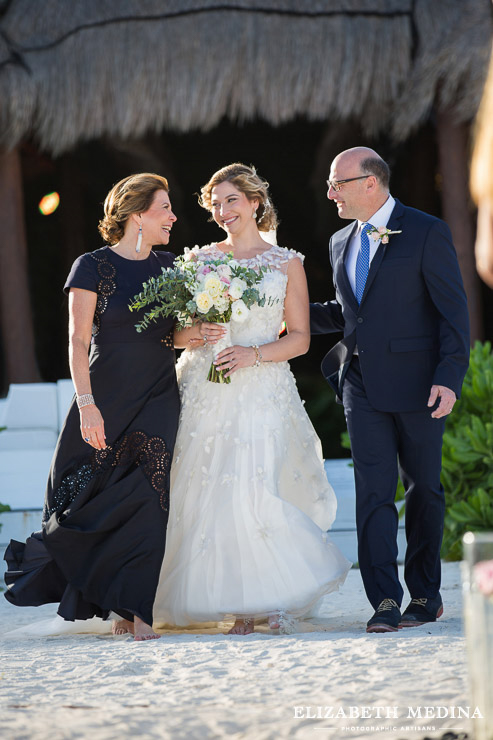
point(381, 233)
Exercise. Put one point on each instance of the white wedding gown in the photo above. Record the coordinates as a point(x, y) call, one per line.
point(250, 501)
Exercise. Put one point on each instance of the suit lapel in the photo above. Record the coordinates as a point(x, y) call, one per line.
point(395, 220)
point(340, 272)
point(394, 224)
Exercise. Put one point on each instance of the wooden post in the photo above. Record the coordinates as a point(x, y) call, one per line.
point(15, 302)
point(453, 142)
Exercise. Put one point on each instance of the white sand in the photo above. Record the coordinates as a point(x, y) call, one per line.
point(211, 686)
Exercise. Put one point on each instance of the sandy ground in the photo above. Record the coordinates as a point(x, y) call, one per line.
point(263, 686)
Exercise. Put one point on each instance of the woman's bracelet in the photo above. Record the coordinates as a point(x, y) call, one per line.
point(87, 399)
point(258, 355)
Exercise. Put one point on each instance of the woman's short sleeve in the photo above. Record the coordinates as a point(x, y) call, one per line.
point(83, 275)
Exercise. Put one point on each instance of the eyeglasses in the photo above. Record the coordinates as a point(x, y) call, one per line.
point(337, 184)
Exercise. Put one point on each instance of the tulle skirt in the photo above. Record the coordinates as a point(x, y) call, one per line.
point(250, 502)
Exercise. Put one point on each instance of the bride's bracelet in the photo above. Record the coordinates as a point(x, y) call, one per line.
point(258, 355)
point(87, 399)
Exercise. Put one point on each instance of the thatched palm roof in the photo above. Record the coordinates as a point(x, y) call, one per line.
point(77, 70)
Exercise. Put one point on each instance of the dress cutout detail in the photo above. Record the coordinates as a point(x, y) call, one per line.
point(150, 454)
point(106, 287)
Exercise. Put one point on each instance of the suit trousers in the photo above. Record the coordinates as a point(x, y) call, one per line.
point(383, 446)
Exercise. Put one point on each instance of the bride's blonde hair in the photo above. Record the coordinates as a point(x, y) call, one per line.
point(246, 180)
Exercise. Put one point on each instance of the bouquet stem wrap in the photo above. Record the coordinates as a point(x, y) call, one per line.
point(215, 375)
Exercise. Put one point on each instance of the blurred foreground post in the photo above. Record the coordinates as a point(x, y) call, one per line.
point(477, 581)
point(15, 301)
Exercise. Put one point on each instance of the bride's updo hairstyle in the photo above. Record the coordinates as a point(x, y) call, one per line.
point(246, 180)
point(133, 194)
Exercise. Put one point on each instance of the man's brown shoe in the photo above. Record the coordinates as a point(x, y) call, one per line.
point(422, 611)
point(386, 617)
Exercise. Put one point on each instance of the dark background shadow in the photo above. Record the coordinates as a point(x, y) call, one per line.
point(294, 158)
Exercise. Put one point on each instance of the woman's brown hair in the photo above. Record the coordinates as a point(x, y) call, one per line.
point(133, 194)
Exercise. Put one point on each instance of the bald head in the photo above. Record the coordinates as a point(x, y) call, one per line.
point(368, 162)
point(365, 182)
point(356, 154)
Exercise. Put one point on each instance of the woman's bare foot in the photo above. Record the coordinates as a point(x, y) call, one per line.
point(143, 631)
point(242, 627)
point(274, 621)
point(122, 627)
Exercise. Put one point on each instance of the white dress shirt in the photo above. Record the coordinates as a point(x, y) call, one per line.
point(380, 218)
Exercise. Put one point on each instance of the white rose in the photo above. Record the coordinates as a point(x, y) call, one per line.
point(204, 302)
point(212, 285)
point(237, 288)
point(221, 303)
point(239, 311)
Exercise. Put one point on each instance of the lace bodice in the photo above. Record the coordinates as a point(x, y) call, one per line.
point(277, 258)
point(263, 322)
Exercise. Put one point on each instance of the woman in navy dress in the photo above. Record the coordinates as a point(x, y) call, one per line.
point(106, 507)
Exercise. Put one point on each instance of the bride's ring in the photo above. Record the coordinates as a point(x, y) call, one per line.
point(206, 338)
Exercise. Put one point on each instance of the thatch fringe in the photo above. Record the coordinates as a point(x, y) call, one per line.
point(451, 66)
point(272, 59)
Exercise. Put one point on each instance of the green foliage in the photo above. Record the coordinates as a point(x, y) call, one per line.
point(467, 462)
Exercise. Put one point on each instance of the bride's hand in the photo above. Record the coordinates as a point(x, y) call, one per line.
point(209, 333)
point(235, 357)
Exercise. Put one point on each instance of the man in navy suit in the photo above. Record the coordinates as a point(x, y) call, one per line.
point(398, 371)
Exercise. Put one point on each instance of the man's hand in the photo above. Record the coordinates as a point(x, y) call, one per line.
point(447, 400)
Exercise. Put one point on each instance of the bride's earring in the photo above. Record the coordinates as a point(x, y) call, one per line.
point(139, 240)
point(254, 215)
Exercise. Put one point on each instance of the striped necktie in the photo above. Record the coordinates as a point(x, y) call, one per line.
point(363, 262)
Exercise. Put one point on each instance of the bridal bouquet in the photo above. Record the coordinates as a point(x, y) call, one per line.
point(216, 289)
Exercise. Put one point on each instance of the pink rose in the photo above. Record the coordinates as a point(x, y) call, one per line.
point(385, 239)
point(483, 575)
point(381, 229)
point(224, 271)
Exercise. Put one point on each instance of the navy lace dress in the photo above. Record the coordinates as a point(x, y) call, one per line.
point(106, 511)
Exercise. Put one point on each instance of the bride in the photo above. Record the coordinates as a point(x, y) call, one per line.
point(250, 501)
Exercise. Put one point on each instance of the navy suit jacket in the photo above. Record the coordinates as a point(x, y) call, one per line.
point(412, 327)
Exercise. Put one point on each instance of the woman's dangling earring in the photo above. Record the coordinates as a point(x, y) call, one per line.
point(139, 239)
point(254, 215)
